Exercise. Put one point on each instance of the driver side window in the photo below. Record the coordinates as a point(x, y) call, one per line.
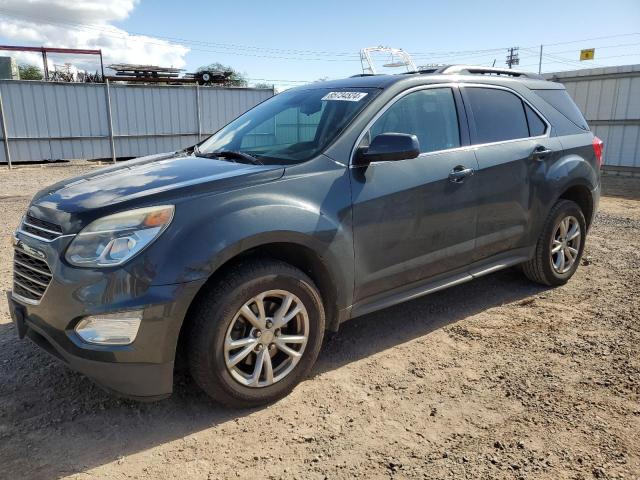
point(428, 114)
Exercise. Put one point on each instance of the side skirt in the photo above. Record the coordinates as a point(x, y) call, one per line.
point(425, 287)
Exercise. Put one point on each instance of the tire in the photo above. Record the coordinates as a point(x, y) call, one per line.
point(544, 267)
point(220, 318)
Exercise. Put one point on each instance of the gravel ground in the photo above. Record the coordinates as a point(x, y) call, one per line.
point(497, 378)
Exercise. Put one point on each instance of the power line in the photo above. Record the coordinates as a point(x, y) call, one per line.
point(141, 38)
point(189, 43)
point(324, 55)
point(568, 61)
point(603, 47)
point(281, 53)
point(126, 35)
point(593, 38)
point(177, 40)
point(455, 52)
point(577, 63)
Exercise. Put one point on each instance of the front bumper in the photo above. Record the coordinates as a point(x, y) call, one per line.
point(140, 381)
point(142, 370)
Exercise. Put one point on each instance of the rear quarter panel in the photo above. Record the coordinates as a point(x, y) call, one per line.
point(576, 165)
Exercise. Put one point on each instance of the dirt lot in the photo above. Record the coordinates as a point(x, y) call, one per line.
point(496, 378)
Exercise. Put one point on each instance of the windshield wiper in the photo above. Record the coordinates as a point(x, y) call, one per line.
point(231, 155)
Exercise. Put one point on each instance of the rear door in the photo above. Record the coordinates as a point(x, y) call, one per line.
point(411, 220)
point(512, 143)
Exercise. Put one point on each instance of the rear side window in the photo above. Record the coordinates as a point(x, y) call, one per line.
point(561, 101)
point(428, 114)
point(498, 115)
point(536, 126)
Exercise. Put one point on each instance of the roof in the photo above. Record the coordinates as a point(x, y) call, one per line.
point(457, 73)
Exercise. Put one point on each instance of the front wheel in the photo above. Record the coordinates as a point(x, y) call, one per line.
point(257, 334)
point(559, 247)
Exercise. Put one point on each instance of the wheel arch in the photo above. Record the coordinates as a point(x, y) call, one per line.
point(298, 254)
point(581, 195)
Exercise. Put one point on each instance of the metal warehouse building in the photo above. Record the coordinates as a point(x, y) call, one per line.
point(609, 98)
point(53, 121)
point(50, 121)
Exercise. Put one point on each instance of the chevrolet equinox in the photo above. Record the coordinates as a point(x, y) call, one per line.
point(321, 204)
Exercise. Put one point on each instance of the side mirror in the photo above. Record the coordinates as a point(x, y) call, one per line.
point(387, 147)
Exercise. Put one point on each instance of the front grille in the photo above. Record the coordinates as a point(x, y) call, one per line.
point(41, 228)
point(31, 276)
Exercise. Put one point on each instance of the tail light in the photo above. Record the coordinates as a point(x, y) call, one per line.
point(597, 149)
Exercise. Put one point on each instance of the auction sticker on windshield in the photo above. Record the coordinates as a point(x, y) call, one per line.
point(345, 96)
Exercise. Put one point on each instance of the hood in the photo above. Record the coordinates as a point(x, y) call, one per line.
point(156, 177)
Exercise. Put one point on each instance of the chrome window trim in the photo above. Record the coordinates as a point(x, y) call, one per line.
point(402, 94)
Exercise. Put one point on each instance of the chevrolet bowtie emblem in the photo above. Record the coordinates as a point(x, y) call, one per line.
point(34, 252)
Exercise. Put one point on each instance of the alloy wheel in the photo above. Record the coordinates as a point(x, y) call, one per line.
point(565, 244)
point(266, 338)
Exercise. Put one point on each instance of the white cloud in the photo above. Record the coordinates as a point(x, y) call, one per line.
point(83, 24)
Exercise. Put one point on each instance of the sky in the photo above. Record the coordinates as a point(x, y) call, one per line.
point(287, 43)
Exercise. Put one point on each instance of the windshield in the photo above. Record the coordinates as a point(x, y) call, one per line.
point(291, 127)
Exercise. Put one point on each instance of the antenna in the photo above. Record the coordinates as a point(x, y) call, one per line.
point(397, 58)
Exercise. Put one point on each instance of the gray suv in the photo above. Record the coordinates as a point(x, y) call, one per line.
point(321, 204)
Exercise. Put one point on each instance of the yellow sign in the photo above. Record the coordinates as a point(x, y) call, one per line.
point(587, 54)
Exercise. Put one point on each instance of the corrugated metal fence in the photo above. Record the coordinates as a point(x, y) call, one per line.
point(610, 101)
point(51, 121)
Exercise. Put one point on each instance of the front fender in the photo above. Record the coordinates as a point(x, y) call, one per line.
point(209, 231)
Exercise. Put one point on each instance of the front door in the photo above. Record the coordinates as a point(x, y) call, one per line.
point(415, 219)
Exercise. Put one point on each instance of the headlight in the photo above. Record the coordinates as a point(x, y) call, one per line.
point(115, 239)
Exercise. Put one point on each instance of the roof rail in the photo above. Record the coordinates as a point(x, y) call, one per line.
point(423, 71)
point(476, 70)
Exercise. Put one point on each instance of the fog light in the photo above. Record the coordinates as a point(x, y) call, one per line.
point(111, 328)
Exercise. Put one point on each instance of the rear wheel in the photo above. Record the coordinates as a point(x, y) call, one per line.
point(256, 335)
point(559, 247)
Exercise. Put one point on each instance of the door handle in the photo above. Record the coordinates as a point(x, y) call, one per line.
point(540, 152)
point(459, 173)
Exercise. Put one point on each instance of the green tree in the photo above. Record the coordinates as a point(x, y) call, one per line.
point(236, 79)
point(30, 72)
point(263, 85)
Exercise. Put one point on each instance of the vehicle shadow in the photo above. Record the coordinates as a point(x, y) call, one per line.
point(378, 331)
point(54, 422)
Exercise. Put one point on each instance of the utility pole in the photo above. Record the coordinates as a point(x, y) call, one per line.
point(512, 57)
point(540, 62)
